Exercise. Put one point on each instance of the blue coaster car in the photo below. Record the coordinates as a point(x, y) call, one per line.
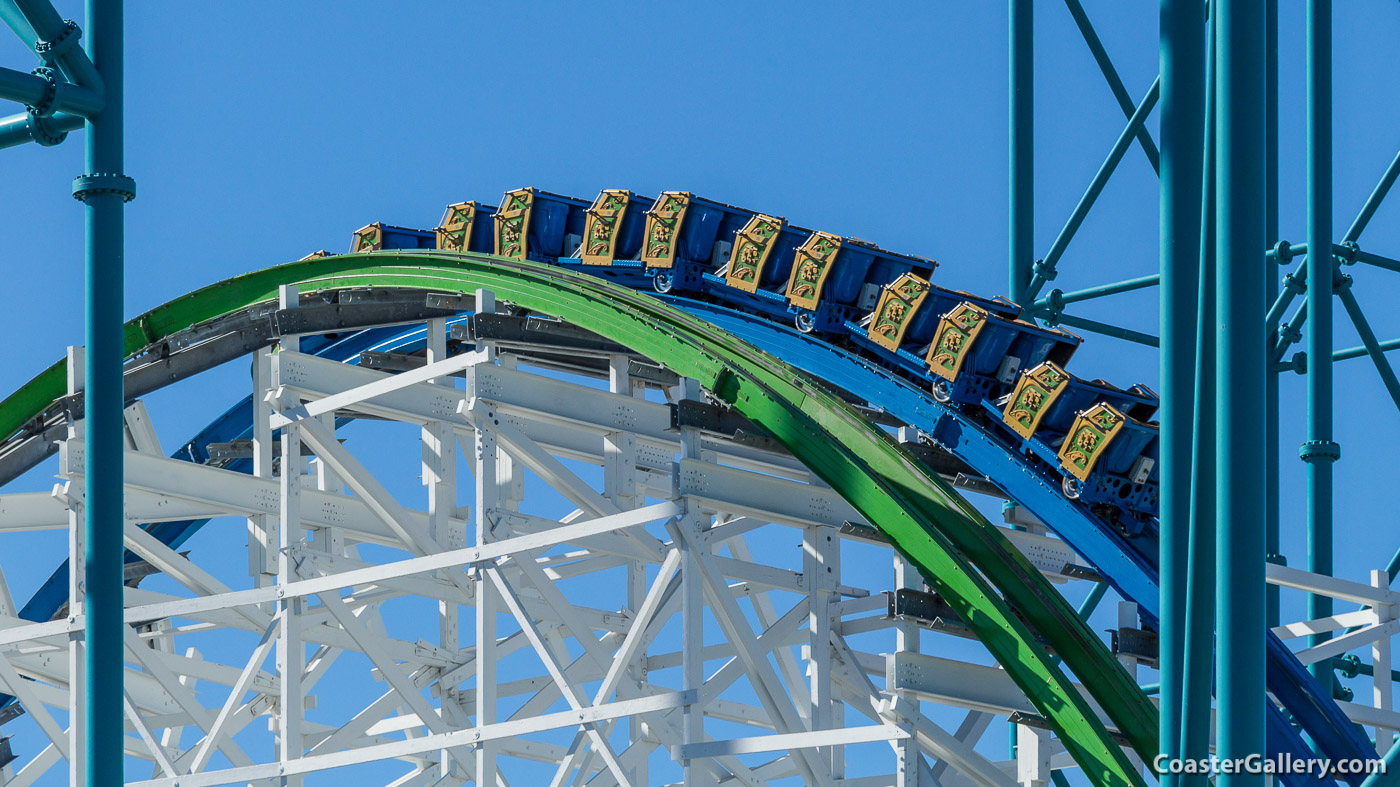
point(907, 312)
point(977, 353)
point(1056, 414)
point(614, 228)
point(687, 237)
point(1110, 457)
point(834, 280)
point(378, 236)
point(468, 226)
point(540, 226)
point(613, 235)
point(759, 264)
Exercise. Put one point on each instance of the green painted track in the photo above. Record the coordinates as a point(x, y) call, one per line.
point(959, 553)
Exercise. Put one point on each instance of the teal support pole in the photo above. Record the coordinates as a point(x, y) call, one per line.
point(1271, 404)
point(1182, 83)
point(1198, 677)
point(1091, 601)
point(1102, 328)
point(104, 190)
point(1058, 299)
point(1389, 776)
point(1357, 352)
point(1319, 451)
point(1021, 177)
point(11, 16)
point(1240, 372)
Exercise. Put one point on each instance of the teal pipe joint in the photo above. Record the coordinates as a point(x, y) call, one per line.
point(53, 49)
point(1349, 665)
point(1320, 451)
point(1041, 272)
point(1051, 306)
point(1297, 282)
point(24, 127)
point(1290, 333)
point(1284, 252)
point(1347, 252)
point(44, 93)
point(46, 131)
point(85, 186)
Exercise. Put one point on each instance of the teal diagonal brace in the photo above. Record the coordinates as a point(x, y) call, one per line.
point(1374, 201)
point(1057, 249)
point(1368, 339)
point(1115, 83)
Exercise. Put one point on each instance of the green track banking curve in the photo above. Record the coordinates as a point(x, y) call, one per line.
point(961, 555)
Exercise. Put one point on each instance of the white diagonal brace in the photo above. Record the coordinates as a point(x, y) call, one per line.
point(362, 721)
point(547, 467)
point(178, 691)
point(18, 688)
point(1346, 642)
point(762, 676)
point(941, 744)
point(235, 696)
point(144, 730)
point(777, 635)
point(369, 391)
point(182, 570)
point(389, 668)
point(623, 658)
point(366, 487)
point(566, 686)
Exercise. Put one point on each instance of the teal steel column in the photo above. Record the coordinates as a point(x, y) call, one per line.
point(1319, 452)
point(1020, 174)
point(1272, 547)
point(1181, 60)
point(1198, 674)
point(1198, 679)
point(1240, 372)
point(104, 190)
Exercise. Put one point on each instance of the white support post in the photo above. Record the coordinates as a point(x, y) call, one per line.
point(695, 773)
point(262, 552)
point(1128, 619)
point(440, 476)
point(290, 645)
point(1033, 752)
point(77, 567)
point(486, 304)
point(488, 604)
point(692, 646)
point(620, 485)
point(907, 757)
point(818, 568)
point(1381, 663)
point(328, 538)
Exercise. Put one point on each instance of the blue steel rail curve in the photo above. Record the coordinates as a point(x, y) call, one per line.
point(972, 375)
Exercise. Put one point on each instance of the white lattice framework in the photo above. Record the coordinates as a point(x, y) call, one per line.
point(722, 658)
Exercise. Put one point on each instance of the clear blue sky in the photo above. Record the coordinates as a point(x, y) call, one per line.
point(257, 138)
